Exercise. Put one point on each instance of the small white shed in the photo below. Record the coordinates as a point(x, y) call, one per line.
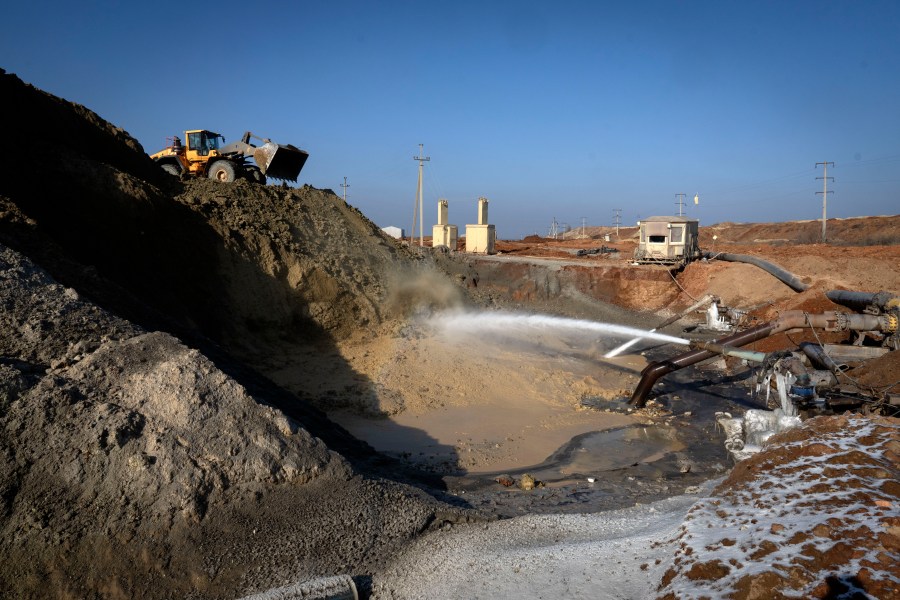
point(394, 232)
point(668, 240)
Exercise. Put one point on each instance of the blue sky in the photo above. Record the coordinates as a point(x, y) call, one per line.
point(564, 110)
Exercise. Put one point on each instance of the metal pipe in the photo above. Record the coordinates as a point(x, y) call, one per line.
point(704, 300)
point(652, 372)
point(863, 300)
point(793, 319)
point(750, 355)
point(838, 321)
point(818, 356)
point(788, 278)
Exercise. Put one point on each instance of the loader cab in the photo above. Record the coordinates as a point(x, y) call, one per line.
point(200, 142)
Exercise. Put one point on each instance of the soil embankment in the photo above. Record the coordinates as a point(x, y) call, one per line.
point(134, 465)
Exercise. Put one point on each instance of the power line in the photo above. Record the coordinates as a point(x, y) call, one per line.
point(554, 229)
point(824, 193)
point(877, 161)
point(680, 204)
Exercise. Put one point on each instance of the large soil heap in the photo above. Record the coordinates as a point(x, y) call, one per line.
point(132, 464)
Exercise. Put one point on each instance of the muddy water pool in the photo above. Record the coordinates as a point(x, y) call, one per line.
point(473, 405)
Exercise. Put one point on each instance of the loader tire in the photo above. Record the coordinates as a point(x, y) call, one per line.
point(222, 170)
point(171, 169)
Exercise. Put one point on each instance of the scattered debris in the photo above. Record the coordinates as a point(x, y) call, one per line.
point(528, 482)
point(505, 481)
point(600, 250)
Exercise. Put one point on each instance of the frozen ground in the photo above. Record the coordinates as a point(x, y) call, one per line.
point(814, 515)
point(613, 555)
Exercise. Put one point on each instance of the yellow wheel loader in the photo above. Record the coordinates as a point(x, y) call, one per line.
point(205, 154)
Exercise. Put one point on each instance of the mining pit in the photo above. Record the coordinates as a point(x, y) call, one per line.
point(211, 390)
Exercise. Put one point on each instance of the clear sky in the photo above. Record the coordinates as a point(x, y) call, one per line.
point(565, 110)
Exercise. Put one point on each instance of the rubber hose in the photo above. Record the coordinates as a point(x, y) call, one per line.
point(860, 300)
point(789, 279)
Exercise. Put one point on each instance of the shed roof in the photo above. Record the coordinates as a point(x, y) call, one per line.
point(681, 219)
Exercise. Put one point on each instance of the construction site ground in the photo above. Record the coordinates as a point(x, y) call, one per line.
point(210, 390)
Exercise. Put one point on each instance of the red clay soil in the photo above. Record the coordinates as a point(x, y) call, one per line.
point(812, 516)
point(823, 267)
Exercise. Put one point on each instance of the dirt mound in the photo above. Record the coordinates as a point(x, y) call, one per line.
point(133, 465)
point(814, 515)
point(120, 444)
point(239, 263)
point(854, 231)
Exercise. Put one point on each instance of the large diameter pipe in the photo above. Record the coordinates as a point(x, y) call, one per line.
point(750, 355)
point(788, 278)
point(863, 300)
point(652, 372)
point(838, 321)
point(818, 356)
point(793, 319)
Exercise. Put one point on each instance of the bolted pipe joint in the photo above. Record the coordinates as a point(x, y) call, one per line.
point(793, 319)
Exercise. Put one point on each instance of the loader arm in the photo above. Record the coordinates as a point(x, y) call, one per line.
point(278, 161)
point(248, 135)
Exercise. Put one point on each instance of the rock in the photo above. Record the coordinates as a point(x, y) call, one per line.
point(505, 480)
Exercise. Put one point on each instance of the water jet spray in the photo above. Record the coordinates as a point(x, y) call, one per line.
point(504, 321)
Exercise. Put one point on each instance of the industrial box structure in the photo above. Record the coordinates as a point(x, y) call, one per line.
point(444, 234)
point(668, 240)
point(394, 232)
point(481, 237)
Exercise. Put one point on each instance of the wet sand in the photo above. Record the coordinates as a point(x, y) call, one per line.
point(473, 401)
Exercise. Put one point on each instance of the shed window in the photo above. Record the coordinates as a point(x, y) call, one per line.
point(657, 239)
point(677, 235)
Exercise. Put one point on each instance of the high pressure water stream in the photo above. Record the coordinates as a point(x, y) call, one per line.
point(481, 392)
point(500, 321)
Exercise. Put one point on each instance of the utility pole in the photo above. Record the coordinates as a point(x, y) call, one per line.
point(419, 202)
point(345, 185)
point(680, 204)
point(824, 193)
point(617, 220)
point(583, 219)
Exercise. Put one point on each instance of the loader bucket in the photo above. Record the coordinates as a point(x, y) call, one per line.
point(280, 162)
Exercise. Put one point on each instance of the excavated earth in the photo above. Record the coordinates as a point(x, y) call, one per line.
point(175, 357)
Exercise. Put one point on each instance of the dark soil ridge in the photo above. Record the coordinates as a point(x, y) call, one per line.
point(132, 464)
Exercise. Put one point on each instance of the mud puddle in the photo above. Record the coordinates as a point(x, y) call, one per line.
point(472, 405)
point(675, 450)
point(481, 396)
point(492, 437)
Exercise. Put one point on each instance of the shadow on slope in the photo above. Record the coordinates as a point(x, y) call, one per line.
point(233, 269)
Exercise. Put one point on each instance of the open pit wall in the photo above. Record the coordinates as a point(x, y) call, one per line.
point(586, 288)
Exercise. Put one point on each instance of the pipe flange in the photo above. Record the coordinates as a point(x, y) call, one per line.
point(841, 322)
point(891, 323)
